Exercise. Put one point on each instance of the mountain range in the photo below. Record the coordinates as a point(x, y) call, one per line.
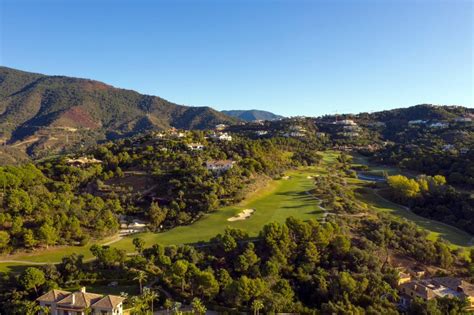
point(34, 107)
point(252, 114)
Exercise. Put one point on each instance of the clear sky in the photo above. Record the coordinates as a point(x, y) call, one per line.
point(289, 57)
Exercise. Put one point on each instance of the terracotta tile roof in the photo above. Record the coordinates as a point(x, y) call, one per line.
point(79, 300)
point(53, 296)
point(109, 301)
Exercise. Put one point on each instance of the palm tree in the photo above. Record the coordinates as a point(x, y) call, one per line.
point(141, 276)
point(149, 296)
point(257, 305)
point(198, 306)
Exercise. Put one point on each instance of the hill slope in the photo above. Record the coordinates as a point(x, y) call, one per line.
point(39, 105)
point(253, 114)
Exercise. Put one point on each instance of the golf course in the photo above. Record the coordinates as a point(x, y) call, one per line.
point(274, 202)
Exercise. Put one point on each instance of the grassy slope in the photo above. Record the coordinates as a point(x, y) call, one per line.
point(457, 237)
point(279, 200)
point(282, 199)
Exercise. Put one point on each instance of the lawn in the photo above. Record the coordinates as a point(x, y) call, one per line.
point(277, 201)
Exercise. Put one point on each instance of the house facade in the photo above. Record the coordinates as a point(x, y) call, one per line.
point(218, 166)
point(61, 302)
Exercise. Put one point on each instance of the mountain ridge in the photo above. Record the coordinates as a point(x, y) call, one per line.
point(32, 103)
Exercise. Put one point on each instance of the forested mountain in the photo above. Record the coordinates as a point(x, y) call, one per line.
point(45, 109)
point(251, 115)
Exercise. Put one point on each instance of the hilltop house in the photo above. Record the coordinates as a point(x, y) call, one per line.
point(218, 166)
point(80, 302)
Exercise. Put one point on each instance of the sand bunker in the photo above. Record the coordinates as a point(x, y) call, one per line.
point(242, 216)
point(285, 177)
point(309, 177)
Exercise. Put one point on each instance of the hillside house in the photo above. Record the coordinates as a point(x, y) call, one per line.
point(219, 166)
point(222, 136)
point(463, 119)
point(61, 302)
point(417, 122)
point(220, 127)
point(261, 132)
point(195, 146)
point(428, 289)
point(83, 161)
point(345, 122)
point(439, 125)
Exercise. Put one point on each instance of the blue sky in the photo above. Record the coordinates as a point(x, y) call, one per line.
point(289, 57)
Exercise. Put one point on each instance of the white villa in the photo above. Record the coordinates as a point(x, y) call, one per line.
point(346, 122)
point(195, 146)
point(219, 166)
point(223, 136)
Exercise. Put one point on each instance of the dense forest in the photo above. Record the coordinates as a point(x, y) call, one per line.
point(58, 202)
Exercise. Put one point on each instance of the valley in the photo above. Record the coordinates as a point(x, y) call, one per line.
point(289, 196)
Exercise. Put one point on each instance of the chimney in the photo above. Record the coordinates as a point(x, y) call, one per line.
point(83, 289)
point(73, 299)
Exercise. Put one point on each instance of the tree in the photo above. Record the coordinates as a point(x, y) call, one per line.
point(48, 235)
point(157, 215)
point(32, 278)
point(257, 305)
point(198, 307)
point(139, 244)
point(140, 277)
point(4, 240)
point(149, 296)
point(179, 269)
point(29, 238)
point(404, 188)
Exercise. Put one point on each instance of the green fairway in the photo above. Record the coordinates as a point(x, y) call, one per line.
point(284, 198)
point(274, 203)
point(456, 237)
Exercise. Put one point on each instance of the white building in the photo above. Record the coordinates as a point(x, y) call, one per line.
point(346, 122)
point(223, 136)
point(439, 125)
point(195, 146)
point(219, 166)
point(417, 122)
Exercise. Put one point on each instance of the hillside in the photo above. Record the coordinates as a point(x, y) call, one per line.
point(251, 115)
point(55, 111)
